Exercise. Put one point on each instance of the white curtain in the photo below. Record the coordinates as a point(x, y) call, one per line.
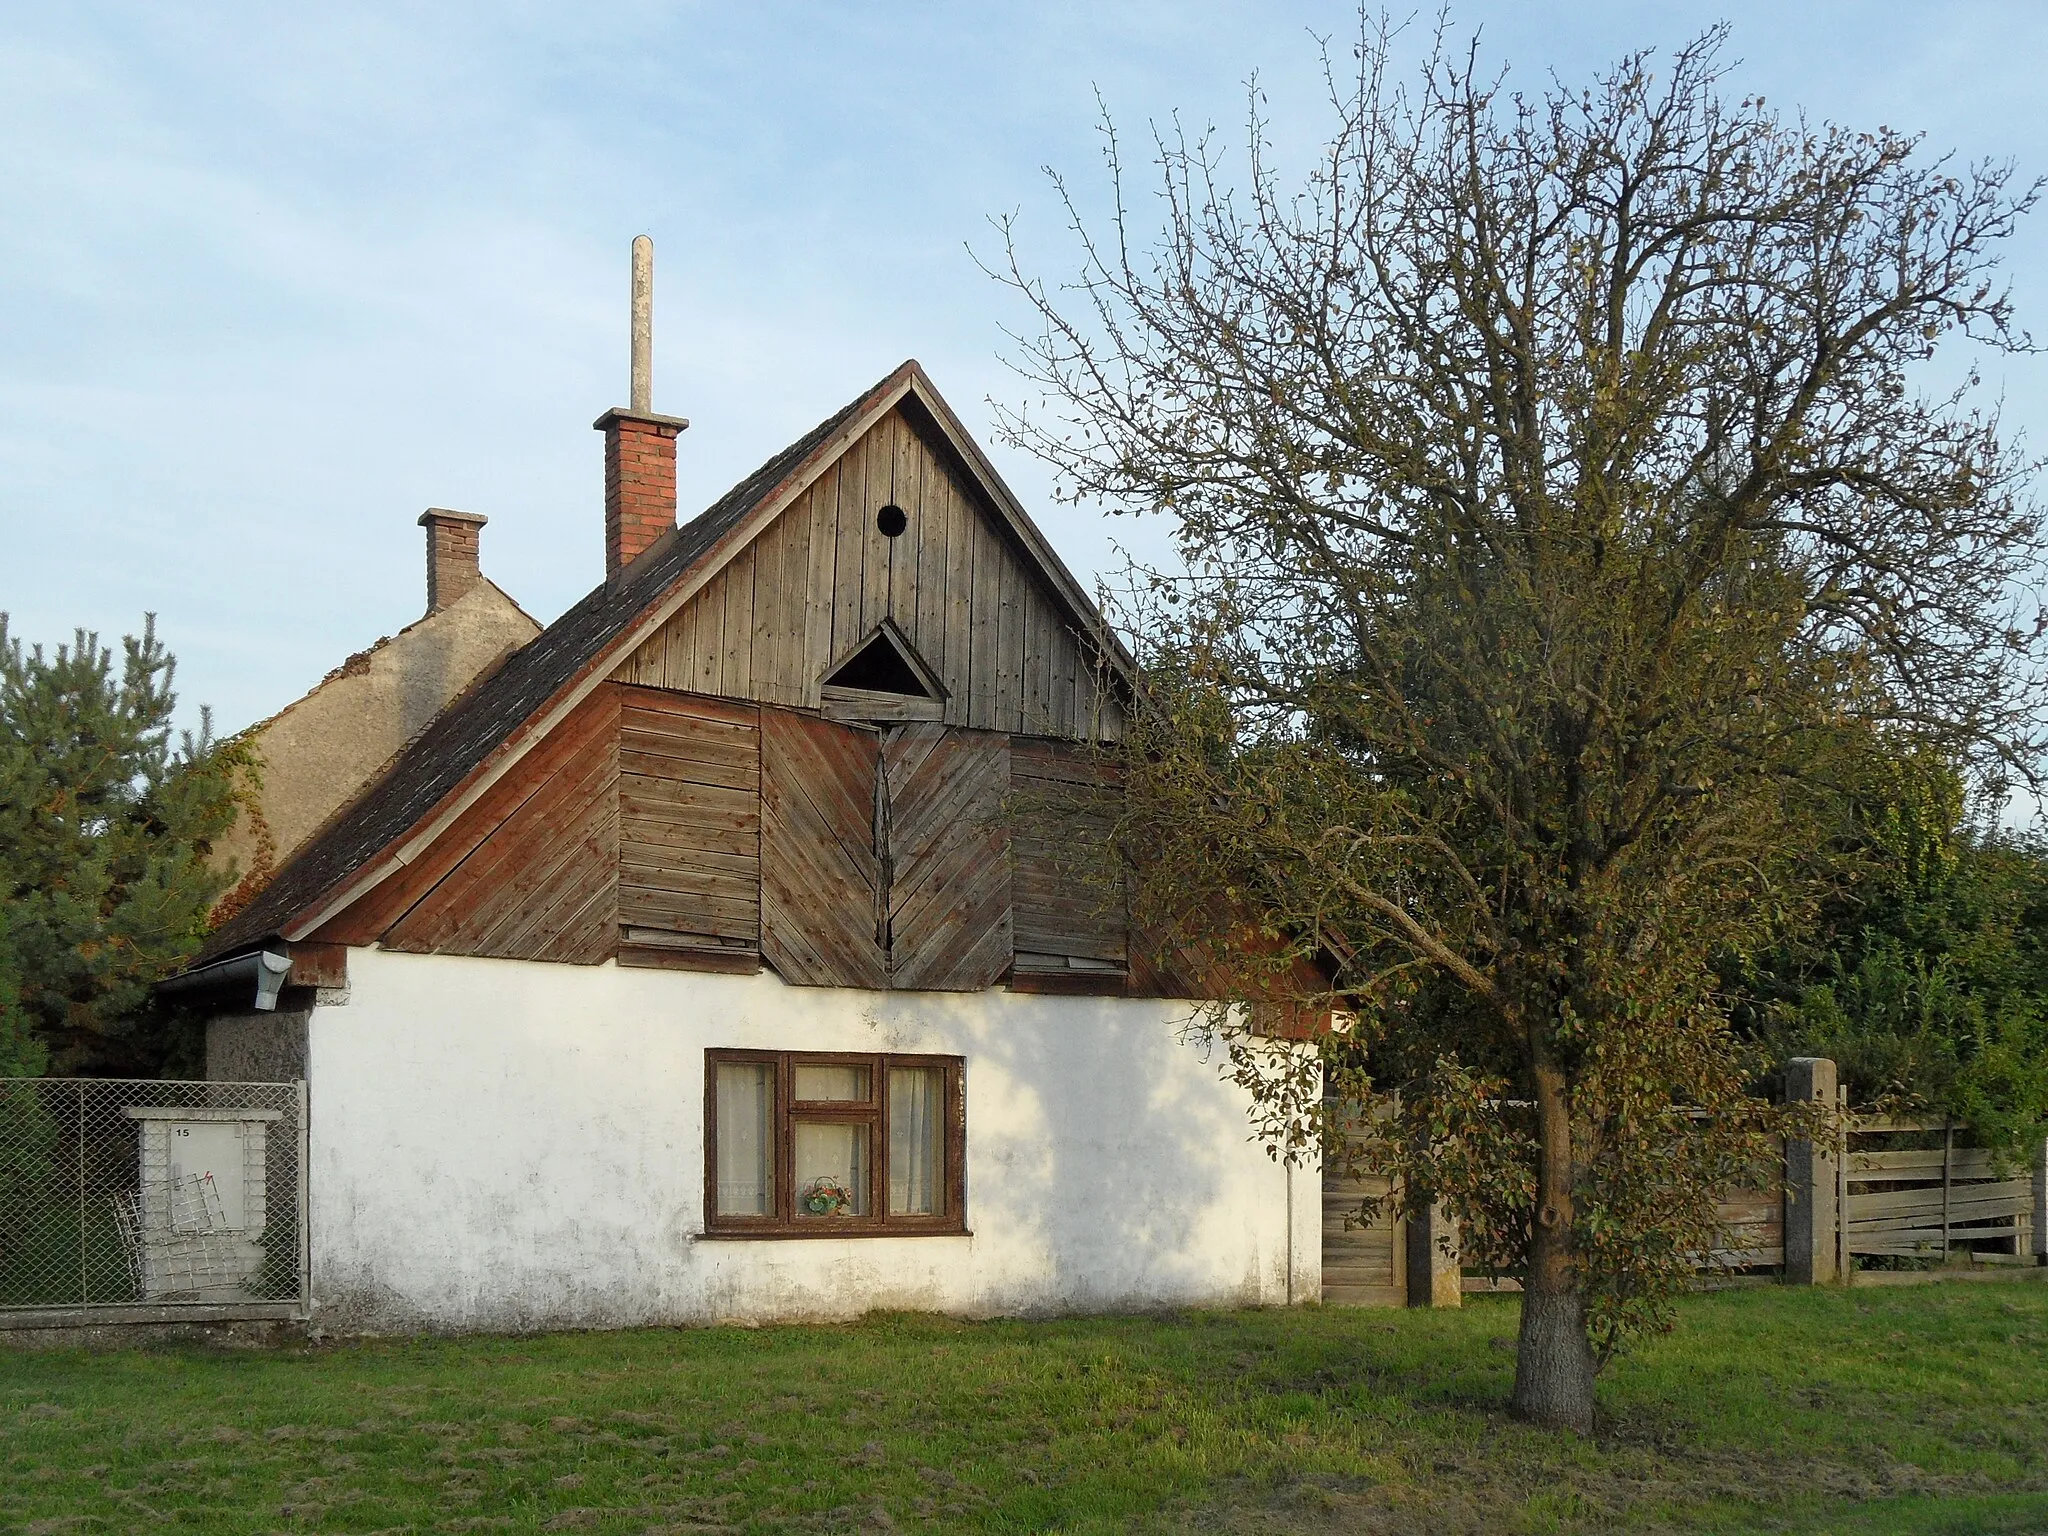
point(746, 1138)
point(917, 1098)
point(817, 1083)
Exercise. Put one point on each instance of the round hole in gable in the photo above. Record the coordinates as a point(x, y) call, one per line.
point(891, 520)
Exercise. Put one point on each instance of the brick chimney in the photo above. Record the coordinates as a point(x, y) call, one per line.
point(639, 483)
point(452, 569)
point(639, 446)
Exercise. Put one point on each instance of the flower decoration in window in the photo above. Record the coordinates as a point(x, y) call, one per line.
point(826, 1196)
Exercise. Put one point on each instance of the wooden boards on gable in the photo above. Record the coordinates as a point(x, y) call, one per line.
point(949, 870)
point(821, 882)
point(530, 873)
point(689, 829)
point(665, 829)
point(884, 855)
point(819, 579)
point(1072, 932)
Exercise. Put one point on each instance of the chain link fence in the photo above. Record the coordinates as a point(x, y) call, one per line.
point(124, 1199)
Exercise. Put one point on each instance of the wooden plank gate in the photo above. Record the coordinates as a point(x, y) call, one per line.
point(1364, 1261)
point(1909, 1191)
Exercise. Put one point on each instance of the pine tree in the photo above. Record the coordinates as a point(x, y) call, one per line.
point(105, 830)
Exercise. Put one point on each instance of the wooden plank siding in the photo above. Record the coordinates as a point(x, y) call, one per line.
point(541, 884)
point(948, 871)
point(672, 829)
point(368, 920)
point(813, 585)
point(821, 882)
point(689, 827)
point(666, 828)
point(1067, 895)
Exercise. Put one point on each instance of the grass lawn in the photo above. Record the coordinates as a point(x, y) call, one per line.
point(1921, 1410)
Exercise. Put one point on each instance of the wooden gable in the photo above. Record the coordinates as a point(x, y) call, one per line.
point(542, 883)
point(475, 888)
point(949, 907)
point(822, 878)
point(795, 734)
point(884, 855)
point(1067, 892)
point(666, 829)
point(818, 582)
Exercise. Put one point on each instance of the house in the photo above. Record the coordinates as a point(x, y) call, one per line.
point(320, 751)
point(699, 963)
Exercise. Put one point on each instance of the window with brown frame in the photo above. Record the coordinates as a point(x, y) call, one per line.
point(824, 1144)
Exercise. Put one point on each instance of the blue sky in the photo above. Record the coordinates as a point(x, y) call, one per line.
point(271, 282)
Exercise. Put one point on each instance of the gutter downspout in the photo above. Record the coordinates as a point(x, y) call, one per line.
point(1290, 1233)
point(265, 968)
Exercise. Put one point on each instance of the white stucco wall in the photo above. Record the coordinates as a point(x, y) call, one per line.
point(501, 1145)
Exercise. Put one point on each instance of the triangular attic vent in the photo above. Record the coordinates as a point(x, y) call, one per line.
point(882, 681)
point(886, 663)
point(879, 667)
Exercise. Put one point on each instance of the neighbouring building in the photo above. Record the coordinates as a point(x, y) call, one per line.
point(319, 752)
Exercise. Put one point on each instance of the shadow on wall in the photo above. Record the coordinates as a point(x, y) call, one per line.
point(447, 658)
point(1121, 1152)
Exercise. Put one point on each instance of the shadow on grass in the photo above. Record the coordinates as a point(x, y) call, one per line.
point(1763, 1411)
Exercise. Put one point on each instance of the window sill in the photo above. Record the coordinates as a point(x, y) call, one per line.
point(851, 1233)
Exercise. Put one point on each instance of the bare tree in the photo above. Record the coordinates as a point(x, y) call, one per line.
point(1559, 523)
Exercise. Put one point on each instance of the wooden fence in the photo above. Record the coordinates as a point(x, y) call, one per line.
point(1901, 1197)
point(1884, 1190)
point(1754, 1222)
point(1364, 1262)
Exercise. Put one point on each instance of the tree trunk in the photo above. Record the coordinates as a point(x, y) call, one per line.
point(1554, 1367)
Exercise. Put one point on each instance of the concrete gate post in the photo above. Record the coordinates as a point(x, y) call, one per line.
point(1435, 1270)
point(2041, 1203)
point(1810, 1172)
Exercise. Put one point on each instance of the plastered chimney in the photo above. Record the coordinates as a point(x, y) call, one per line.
point(452, 554)
point(639, 446)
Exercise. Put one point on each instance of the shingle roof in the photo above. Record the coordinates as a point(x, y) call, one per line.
point(456, 744)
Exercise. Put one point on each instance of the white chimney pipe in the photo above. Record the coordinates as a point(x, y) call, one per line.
point(642, 387)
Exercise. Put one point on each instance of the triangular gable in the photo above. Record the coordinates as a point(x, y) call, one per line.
point(897, 536)
point(459, 758)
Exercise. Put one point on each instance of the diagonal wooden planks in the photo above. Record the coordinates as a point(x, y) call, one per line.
point(949, 875)
point(666, 828)
point(542, 883)
point(819, 872)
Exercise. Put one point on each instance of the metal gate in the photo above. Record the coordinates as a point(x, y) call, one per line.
point(139, 1201)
